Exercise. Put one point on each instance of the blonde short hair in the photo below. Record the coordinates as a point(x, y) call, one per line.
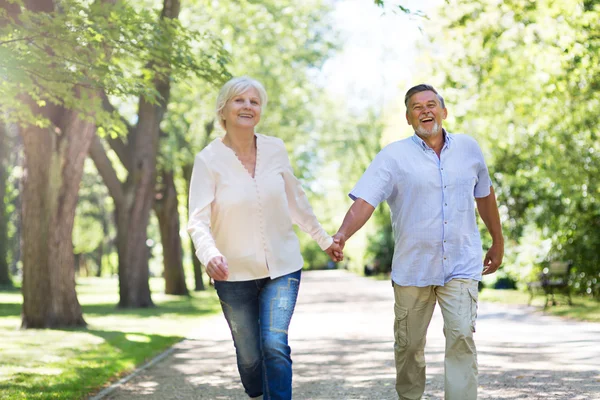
point(235, 87)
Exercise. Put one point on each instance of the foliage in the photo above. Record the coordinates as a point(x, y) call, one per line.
point(527, 76)
point(68, 364)
point(351, 141)
point(314, 257)
point(65, 57)
point(275, 42)
point(380, 249)
point(12, 199)
point(93, 231)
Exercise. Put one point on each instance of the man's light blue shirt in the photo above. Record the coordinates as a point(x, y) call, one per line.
point(432, 207)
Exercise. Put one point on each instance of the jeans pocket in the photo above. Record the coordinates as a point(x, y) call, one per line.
point(473, 296)
point(401, 326)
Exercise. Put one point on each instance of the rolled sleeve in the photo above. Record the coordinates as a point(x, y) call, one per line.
point(482, 187)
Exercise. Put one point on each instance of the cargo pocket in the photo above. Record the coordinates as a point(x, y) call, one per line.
point(473, 295)
point(400, 326)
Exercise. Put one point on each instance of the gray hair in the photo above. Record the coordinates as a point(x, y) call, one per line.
point(422, 88)
point(235, 87)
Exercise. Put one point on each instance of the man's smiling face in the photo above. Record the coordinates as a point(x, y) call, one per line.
point(425, 113)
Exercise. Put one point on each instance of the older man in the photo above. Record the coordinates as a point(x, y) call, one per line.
point(431, 182)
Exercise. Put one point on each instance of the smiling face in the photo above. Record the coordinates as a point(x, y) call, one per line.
point(242, 110)
point(425, 113)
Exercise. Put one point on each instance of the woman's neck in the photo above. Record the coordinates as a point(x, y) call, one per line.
point(241, 142)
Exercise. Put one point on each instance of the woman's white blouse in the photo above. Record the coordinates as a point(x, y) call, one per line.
point(249, 220)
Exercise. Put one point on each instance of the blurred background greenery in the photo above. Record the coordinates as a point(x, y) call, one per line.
point(133, 84)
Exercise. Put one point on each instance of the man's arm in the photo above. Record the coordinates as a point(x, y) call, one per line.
point(488, 210)
point(358, 214)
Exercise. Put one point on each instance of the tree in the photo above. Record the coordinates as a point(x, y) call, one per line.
point(166, 208)
point(527, 75)
point(57, 63)
point(53, 161)
point(172, 54)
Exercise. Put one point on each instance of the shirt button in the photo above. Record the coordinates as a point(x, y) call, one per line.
point(444, 258)
point(445, 222)
point(444, 186)
point(445, 204)
point(444, 241)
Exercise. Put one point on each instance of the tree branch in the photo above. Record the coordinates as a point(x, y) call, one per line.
point(108, 173)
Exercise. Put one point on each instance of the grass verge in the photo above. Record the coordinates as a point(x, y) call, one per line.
point(583, 308)
point(72, 363)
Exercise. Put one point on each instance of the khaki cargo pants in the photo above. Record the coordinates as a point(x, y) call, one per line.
point(413, 309)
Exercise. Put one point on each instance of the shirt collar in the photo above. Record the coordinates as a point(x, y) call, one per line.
point(420, 142)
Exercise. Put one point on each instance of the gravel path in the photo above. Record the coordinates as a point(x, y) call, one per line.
point(342, 348)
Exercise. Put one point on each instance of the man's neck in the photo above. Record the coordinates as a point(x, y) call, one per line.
point(435, 141)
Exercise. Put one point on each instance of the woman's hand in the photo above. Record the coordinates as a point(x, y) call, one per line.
point(218, 269)
point(335, 252)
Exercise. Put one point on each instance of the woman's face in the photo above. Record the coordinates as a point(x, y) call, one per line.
point(243, 110)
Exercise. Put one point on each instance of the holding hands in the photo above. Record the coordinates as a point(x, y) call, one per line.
point(335, 251)
point(218, 268)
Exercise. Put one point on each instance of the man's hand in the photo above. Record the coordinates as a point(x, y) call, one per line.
point(335, 252)
point(218, 269)
point(340, 239)
point(493, 258)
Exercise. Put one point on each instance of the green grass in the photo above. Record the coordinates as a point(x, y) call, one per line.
point(583, 308)
point(72, 363)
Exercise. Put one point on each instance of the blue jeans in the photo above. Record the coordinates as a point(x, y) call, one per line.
point(259, 313)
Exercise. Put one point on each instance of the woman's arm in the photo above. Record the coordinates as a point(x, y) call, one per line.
point(202, 194)
point(301, 212)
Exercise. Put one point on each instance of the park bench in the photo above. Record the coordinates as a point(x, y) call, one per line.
point(553, 280)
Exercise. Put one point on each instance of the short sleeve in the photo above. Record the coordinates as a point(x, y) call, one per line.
point(482, 187)
point(377, 182)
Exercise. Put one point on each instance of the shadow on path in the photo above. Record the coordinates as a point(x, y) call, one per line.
point(342, 348)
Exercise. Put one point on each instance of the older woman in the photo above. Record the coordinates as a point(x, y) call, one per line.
point(244, 198)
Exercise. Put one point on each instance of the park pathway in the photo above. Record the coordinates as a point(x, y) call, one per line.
point(342, 348)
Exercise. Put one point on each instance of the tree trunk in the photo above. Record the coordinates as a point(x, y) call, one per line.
point(134, 199)
point(54, 160)
point(53, 167)
point(199, 282)
point(4, 275)
point(132, 222)
point(166, 208)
